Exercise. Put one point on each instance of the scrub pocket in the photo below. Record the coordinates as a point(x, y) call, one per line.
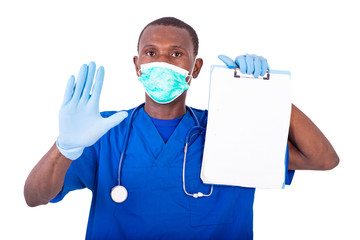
point(218, 208)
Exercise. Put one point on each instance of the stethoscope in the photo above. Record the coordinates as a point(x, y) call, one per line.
point(119, 193)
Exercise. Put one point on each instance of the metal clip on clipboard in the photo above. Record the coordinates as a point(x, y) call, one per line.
point(238, 74)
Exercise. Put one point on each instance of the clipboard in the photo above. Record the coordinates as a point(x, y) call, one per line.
point(247, 129)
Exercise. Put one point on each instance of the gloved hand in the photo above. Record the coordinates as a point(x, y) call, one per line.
point(248, 64)
point(80, 122)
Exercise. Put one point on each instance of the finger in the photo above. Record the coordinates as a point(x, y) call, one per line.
point(80, 82)
point(99, 79)
point(115, 119)
point(249, 64)
point(264, 66)
point(228, 61)
point(240, 61)
point(69, 90)
point(257, 66)
point(89, 81)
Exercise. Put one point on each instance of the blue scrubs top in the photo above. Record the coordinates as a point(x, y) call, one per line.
point(157, 206)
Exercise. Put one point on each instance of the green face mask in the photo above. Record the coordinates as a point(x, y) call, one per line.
point(163, 82)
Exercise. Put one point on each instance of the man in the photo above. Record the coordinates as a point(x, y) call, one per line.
point(155, 205)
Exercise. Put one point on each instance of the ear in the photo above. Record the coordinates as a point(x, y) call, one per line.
point(197, 68)
point(137, 66)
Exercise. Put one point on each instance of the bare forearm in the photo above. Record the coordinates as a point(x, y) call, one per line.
point(46, 179)
point(308, 147)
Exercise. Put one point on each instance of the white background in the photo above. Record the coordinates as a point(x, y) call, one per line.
point(44, 42)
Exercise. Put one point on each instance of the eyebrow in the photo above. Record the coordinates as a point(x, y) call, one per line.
point(149, 45)
point(177, 46)
point(173, 46)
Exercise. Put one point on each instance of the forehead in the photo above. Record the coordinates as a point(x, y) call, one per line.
point(166, 36)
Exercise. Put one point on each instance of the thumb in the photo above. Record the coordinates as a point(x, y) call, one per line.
point(115, 119)
point(228, 61)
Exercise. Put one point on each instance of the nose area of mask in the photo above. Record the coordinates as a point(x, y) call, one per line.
point(164, 65)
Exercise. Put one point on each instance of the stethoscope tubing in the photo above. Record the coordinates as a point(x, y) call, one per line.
point(187, 142)
point(126, 141)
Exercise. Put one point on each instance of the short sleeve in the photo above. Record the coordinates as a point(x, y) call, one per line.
point(81, 174)
point(289, 174)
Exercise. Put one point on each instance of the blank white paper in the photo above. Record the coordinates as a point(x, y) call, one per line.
point(247, 129)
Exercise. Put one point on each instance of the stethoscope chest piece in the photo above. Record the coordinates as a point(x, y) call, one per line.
point(119, 194)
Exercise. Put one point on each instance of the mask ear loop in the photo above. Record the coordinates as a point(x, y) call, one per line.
point(190, 75)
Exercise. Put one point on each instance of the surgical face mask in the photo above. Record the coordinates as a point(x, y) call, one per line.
point(164, 82)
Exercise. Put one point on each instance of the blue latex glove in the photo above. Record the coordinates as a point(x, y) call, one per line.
point(80, 122)
point(248, 64)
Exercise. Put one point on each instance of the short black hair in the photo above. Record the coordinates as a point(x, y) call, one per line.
point(171, 21)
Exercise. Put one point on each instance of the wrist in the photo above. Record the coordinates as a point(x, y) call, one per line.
point(70, 153)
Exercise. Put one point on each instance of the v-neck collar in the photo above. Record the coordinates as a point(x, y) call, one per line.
point(163, 154)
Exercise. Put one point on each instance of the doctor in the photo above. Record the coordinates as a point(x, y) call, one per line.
point(149, 143)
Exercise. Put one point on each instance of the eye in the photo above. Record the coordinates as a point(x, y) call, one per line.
point(150, 53)
point(176, 54)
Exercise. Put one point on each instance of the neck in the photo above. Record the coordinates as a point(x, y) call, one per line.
point(168, 111)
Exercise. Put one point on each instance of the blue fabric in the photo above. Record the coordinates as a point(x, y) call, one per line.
point(156, 206)
point(289, 174)
point(166, 127)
